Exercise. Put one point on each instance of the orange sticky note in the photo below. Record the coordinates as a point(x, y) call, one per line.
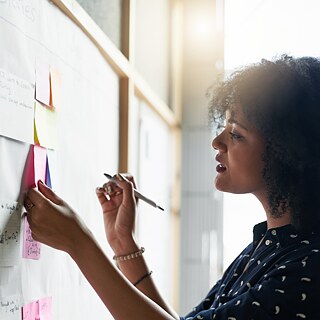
point(55, 93)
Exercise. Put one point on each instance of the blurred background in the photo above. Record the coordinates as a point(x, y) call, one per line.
point(176, 49)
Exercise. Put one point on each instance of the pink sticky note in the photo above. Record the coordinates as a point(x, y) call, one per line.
point(36, 168)
point(28, 175)
point(45, 308)
point(40, 163)
point(31, 248)
point(30, 311)
point(43, 82)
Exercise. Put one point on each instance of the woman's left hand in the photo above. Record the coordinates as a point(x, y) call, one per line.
point(52, 221)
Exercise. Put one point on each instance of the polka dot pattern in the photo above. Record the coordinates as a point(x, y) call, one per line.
point(276, 277)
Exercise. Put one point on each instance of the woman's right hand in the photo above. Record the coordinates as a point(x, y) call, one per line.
point(119, 210)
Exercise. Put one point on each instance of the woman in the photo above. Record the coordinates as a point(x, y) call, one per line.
point(269, 147)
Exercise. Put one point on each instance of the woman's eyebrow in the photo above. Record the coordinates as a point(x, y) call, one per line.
point(234, 121)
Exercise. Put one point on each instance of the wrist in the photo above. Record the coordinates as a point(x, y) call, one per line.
point(81, 243)
point(124, 247)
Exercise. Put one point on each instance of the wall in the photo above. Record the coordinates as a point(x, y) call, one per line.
point(86, 127)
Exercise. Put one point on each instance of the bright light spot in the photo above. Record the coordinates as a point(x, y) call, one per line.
point(255, 30)
point(203, 27)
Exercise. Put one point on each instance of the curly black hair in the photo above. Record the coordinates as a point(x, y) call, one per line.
point(281, 98)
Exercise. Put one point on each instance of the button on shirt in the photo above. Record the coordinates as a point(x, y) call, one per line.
point(276, 277)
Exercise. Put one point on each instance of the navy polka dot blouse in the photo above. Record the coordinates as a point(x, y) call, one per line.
point(276, 277)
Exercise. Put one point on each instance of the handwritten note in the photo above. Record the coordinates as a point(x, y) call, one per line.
point(31, 248)
point(45, 308)
point(10, 308)
point(38, 310)
point(16, 107)
point(10, 213)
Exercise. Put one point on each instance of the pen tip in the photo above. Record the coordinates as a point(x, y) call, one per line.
point(108, 175)
point(160, 208)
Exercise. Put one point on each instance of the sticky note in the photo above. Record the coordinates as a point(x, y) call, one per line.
point(38, 310)
point(45, 308)
point(36, 169)
point(45, 122)
point(48, 175)
point(55, 82)
point(43, 82)
point(28, 175)
point(31, 248)
point(30, 311)
point(40, 163)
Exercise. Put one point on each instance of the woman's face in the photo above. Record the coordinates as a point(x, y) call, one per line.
point(239, 156)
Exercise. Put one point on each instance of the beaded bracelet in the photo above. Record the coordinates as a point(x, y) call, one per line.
point(142, 278)
point(130, 255)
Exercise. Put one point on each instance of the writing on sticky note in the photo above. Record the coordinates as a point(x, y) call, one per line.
point(38, 310)
point(10, 308)
point(43, 82)
point(31, 248)
point(10, 213)
point(45, 308)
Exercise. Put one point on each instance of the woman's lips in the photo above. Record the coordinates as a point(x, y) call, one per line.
point(220, 168)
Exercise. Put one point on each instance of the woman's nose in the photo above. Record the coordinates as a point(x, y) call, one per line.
point(218, 144)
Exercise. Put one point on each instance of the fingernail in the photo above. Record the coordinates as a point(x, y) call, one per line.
point(40, 181)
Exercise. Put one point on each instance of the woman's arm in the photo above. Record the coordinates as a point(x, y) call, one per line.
point(54, 223)
point(119, 212)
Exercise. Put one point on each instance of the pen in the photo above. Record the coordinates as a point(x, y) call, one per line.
point(138, 194)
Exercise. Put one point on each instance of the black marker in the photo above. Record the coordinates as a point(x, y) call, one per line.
point(137, 194)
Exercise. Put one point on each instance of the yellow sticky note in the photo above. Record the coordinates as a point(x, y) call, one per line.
point(45, 126)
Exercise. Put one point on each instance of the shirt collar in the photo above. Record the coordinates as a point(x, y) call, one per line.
point(283, 235)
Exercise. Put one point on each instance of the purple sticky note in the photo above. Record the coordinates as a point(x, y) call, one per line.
point(48, 175)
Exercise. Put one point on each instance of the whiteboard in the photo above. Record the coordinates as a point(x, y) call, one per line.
point(87, 144)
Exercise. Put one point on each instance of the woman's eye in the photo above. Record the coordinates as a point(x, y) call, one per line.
point(235, 136)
